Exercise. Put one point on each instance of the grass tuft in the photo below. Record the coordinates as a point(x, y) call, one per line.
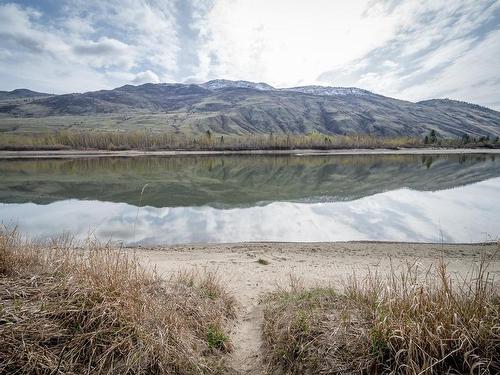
point(263, 261)
point(95, 310)
point(217, 338)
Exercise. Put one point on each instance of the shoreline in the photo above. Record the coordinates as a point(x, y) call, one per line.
point(228, 297)
point(298, 152)
point(252, 270)
point(200, 245)
point(313, 263)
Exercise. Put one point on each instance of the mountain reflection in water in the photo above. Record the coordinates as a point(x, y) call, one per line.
point(420, 198)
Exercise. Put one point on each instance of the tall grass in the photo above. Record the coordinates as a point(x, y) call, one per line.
point(431, 322)
point(411, 322)
point(147, 140)
point(95, 310)
point(142, 140)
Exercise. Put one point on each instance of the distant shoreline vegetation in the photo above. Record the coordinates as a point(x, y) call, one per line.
point(147, 140)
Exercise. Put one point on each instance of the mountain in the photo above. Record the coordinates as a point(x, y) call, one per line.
point(21, 94)
point(242, 107)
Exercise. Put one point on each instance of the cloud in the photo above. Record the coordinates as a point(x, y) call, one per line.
point(78, 25)
point(150, 27)
point(390, 64)
point(286, 42)
point(105, 46)
point(146, 77)
point(432, 41)
point(16, 30)
point(90, 44)
point(409, 49)
point(469, 76)
point(106, 52)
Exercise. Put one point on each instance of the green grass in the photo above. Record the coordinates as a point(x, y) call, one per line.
point(216, 338)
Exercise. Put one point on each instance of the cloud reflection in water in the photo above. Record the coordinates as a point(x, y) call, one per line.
point(465, 214)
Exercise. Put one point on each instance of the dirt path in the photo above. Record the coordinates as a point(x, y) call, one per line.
point(246, 338)
point(317, 263)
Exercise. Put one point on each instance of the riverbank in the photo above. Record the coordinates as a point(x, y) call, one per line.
point(252, 270)
point(299, 152)
point(244, 308)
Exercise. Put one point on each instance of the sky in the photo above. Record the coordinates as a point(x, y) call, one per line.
point(408, 49)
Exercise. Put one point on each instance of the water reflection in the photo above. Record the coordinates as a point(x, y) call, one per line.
point(236, 181)
point(464, 214)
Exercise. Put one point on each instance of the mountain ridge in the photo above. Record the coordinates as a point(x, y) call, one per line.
point(21, 93)
point(244, 107)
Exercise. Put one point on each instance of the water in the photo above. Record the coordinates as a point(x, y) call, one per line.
point(193, 199)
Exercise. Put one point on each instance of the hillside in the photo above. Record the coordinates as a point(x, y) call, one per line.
point(241, 107)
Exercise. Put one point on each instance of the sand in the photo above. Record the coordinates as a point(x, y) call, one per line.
point(64, 154)
point(314, 264)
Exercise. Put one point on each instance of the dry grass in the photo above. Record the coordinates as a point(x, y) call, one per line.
point(148, 140)
point(142, 140)
point(411, 322)
point(312, 332)
point(95, 310)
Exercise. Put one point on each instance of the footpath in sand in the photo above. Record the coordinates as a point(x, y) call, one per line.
point(315, 264)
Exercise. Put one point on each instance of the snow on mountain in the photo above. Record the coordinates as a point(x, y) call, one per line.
point(217, 84)
point(327, 90)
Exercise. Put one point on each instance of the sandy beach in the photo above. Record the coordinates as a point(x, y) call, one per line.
point(313, 263)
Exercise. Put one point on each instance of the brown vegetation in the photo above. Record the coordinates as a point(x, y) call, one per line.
point(147, 140)
point(141, 140)
point(410, 322)
point(92, 309)
point(95, 310)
